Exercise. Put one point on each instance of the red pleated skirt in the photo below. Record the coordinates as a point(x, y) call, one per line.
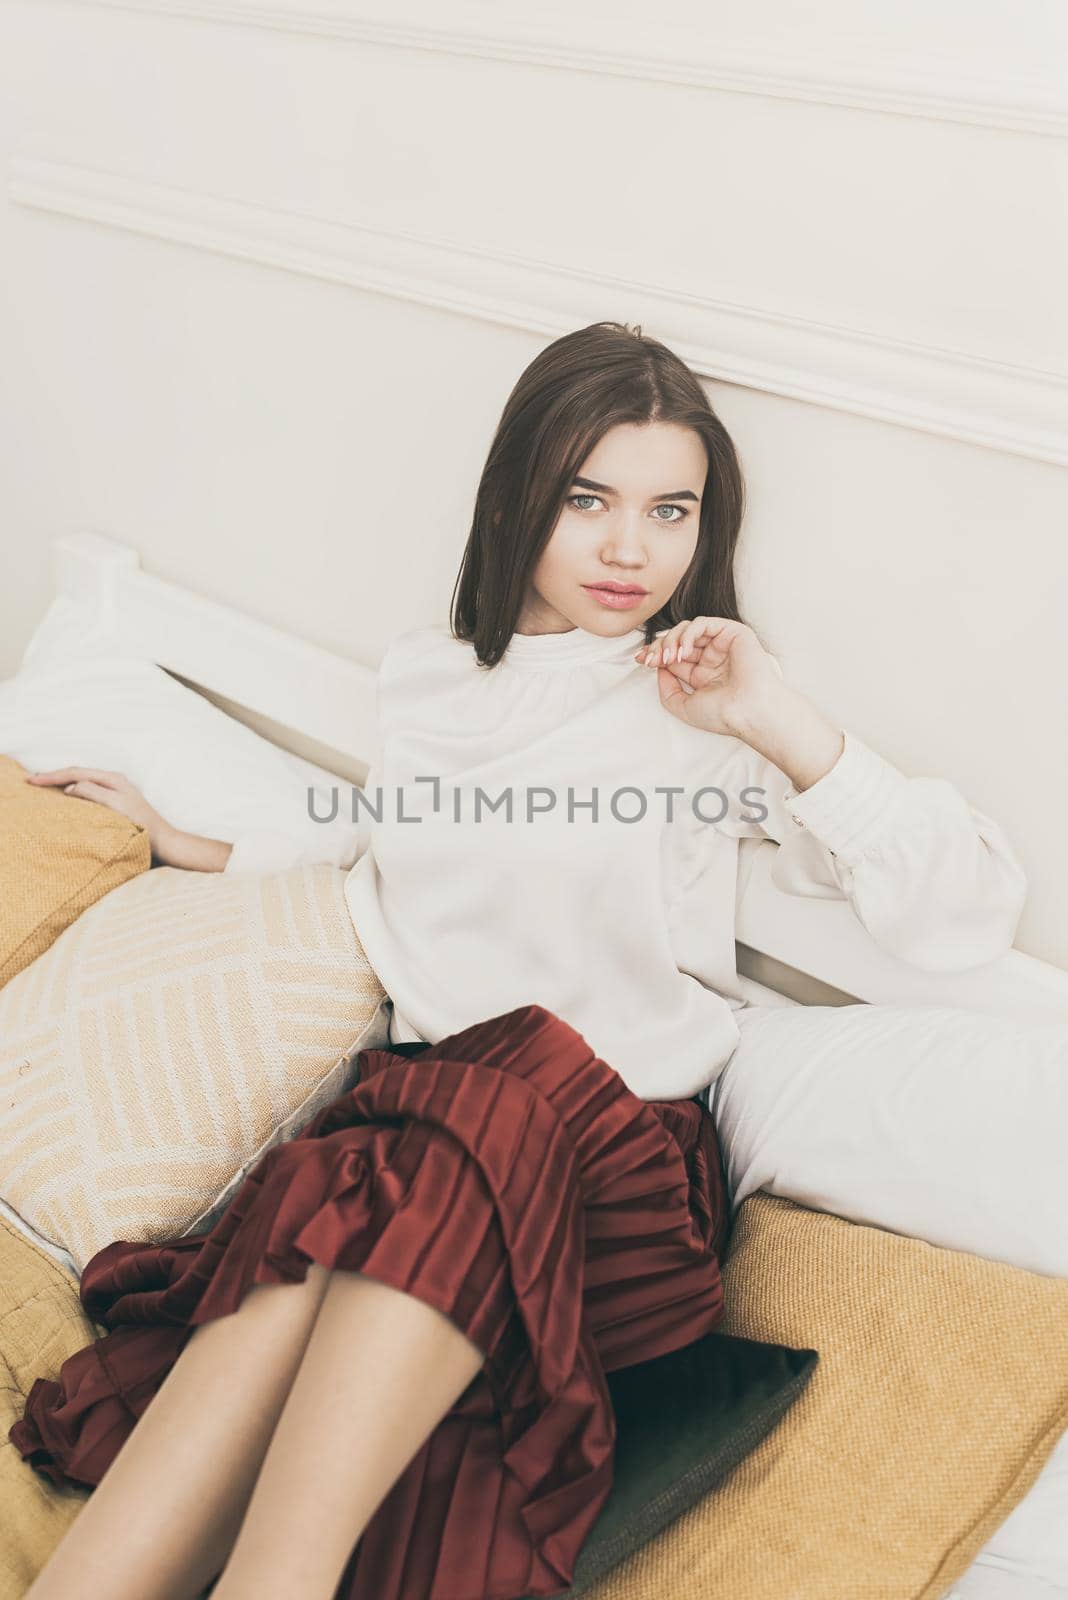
point(509, 1178)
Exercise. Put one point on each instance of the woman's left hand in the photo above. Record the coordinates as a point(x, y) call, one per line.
point(728, 675)
point(110, 789)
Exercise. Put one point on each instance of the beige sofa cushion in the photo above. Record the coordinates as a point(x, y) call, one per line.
point(180, 1026)
point(940, 1393)
point(58, 855)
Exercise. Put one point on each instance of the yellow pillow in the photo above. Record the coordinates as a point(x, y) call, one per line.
point(58, 855)
point(183, 1024)
point(940, 1393)
point(41, 1324)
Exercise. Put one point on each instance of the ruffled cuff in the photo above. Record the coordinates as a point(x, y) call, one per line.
point(265, 851)
point(851, 805)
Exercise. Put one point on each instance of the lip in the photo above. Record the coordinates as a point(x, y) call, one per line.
point(615, 597)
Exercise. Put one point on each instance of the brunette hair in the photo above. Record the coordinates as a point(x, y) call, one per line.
point(568, 397)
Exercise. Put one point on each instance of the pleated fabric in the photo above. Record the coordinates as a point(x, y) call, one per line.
point(507, 1177)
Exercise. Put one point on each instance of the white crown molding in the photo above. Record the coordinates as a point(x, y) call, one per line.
point(939, 90)
point(989, 403)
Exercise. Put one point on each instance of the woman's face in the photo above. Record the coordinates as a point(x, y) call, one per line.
point(631, 519)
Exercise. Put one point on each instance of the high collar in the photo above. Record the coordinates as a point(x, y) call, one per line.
point(575, 646)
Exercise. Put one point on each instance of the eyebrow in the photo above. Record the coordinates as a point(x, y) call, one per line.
point(604, 488)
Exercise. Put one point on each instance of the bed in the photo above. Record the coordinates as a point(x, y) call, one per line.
point(790, 952)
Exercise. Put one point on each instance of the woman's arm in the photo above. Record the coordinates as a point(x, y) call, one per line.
point(792, 734)
point(257, 852)
point(170, 846)
point(194, 851)
point(935, 882)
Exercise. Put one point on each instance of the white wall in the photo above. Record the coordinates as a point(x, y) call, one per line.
point(269, 272)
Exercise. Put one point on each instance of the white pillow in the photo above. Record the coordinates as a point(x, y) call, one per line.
point(943, 1124)
point(82, 698)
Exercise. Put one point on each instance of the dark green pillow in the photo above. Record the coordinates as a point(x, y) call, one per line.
point(683, 1421)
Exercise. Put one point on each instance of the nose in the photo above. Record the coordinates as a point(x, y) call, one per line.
point(624, 545)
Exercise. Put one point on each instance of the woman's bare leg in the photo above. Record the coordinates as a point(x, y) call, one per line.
point(161, 1521)
point(379, 1372)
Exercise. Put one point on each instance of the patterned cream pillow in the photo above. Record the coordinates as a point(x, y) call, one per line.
point(58, 855)
point(176, 1029)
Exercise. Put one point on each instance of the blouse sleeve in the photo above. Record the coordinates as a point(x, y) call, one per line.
point(934, 881)
point(275, 852)
point(268, 851)
point(265, 851)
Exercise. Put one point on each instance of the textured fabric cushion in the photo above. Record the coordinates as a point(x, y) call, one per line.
point(66, 1261)
point(58, 855)
point(179, 1025)
point(683, 1422)
point(941, 1390)
point(41, 1324)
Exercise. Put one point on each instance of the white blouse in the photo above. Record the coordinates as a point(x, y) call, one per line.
point(607, 895)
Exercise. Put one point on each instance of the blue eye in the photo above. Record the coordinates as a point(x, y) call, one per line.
point(573, 499)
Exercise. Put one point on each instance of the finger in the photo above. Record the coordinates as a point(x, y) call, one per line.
point(702, 630)
point(673, 642)
point(678, 643)
point(662, 648)
point(682, 670)
point(682, 677)
point(673, 693)
point(76, 775)
point(86, 790)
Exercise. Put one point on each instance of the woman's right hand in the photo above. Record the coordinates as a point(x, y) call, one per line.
point(170, 847)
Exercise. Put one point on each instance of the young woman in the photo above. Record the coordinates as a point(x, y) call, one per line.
point(381, 1372)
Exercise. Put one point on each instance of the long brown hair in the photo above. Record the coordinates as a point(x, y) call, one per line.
point(569, 396)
